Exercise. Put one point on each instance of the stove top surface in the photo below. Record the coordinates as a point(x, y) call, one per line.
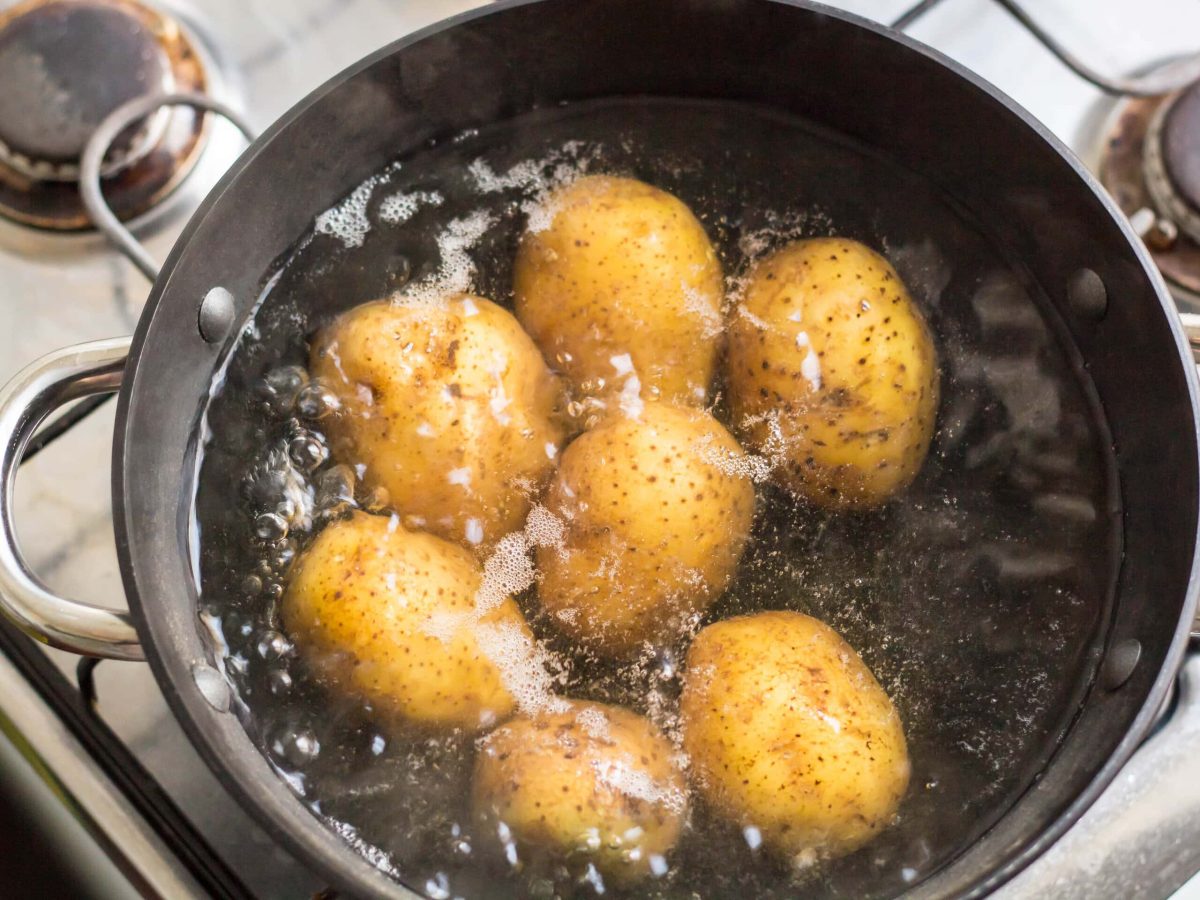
point(1141, 839)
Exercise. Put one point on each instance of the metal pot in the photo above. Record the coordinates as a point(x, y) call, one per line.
point(838, 71)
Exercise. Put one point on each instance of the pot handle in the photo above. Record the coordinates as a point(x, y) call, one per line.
point(33, 393)
point(1191, 330)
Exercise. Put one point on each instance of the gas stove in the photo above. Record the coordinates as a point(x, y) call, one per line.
point(139, 809)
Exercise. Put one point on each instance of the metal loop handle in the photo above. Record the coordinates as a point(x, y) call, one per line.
point(1166, 80)
point(91, 162)
point(33, 393)
point(1191, 329)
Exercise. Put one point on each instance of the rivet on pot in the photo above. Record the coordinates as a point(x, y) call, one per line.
point(1087, 295)
point(213, 686)
point(216, 315)
point(1122, 659)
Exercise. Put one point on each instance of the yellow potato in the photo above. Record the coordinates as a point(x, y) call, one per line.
point(657, 510)
point(595, 782)
point(832, 372)
point(391, 614)
point(450, 407)
point(790, 735)
point(622, 291)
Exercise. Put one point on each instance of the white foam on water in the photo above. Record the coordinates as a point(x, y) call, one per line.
point(536, 179)
point(774, 449)
point(372, 854)
point(347, 221)
point(446, 624)
point(508, 570)
point(523, 176)
point(594, 723)
point(731, 463)
point(456, 271)
point(401, 207)
point(706, 307)
point(524, 667)
point(760, 324)
point(543, 528)
point(624, 777)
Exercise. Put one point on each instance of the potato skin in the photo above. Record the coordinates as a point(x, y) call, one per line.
point(450, 406)
point(655, 527)
point(851, 426)
point(623, 268)
point(787, 730)
point(368, 604)
point(564, 781)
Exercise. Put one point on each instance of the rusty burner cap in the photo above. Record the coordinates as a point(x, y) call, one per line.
point(1180, 142)
point(1171, 160)
point(67, 64)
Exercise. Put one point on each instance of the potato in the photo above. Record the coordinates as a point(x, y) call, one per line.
point(790, 735)
point(657, 510)
point(449, 406)
point(622, 291)
point(391, 613)
point(595, 782)
point(832, 373)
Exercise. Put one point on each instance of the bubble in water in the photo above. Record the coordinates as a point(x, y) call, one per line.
point(282, 386)
point(335, 490)
point(316, 401)
point(398, 271)
point(273, 645)
point(281, 556)
point(753, 837)
point(270, 526)
point(307, 451)
point(251, 585)
point(279, 681)
point(299, 747)
point(438, 887)
point(591, 876)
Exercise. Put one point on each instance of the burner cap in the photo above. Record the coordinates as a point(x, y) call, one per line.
point(1181, 145)
point(1171, 165)
point(1148, 157)
point(64, 66)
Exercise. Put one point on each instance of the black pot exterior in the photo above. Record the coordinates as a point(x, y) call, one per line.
point(840, 72)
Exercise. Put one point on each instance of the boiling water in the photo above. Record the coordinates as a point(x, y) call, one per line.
point(978, 597)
